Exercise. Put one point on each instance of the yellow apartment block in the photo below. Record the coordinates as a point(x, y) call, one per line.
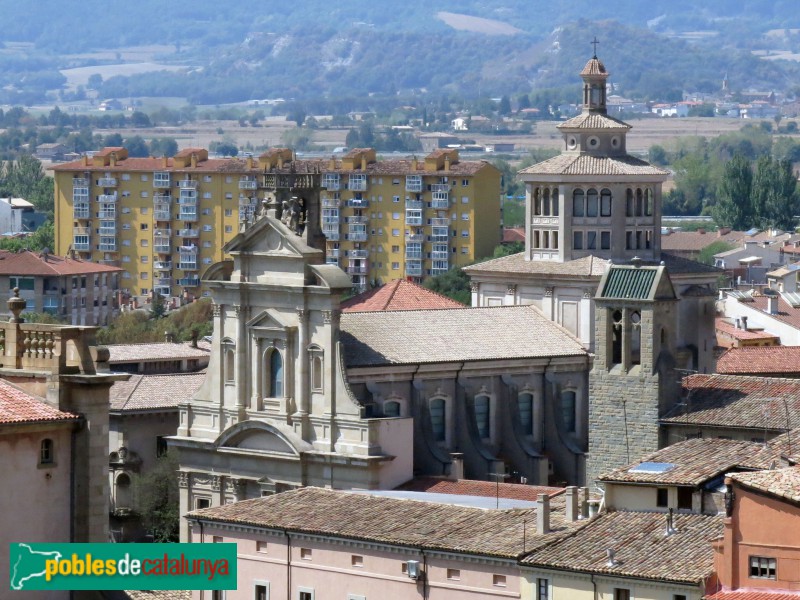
point(166, 220)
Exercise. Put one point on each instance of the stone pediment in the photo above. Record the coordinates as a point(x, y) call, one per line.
point(269, 236)
point(262, 437)
point(269, 319)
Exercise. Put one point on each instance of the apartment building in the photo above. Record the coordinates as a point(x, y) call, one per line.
point(165, 220)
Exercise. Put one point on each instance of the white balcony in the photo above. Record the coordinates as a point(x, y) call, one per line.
point(162, 233)
point(162, 281)
point(354, 237)
point(414, 183)
point(162, 215)
point(187, 184)
point(107, 182)
point(356, 220)
point(108, 229)
point(188, 216)
point(356, 270)
point(162, 180)
point(107, 198)
point(162, 265)
point(439, 255)
point(414, 269)
point(440, 222)
point(415, 237)
point(333, 253)
point(413, 254)
point(80, 182)
point(331, 203)
point(110, 213)
point(188, 198)
point(81, 211)
point(358, 254)
point(248, 184)
point(413, 220)
point(162, 247)
point(332, 235)
point(189, 281)
point(187, 266)
point(357, 183)
point(188, 233)
point(415, 204)
point(108, 246)
point(440, 203)
point(358, 203)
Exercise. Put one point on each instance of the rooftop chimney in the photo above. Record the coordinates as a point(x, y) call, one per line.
point(611, 562)
point(572, 504)
point(585, 504)
point(744, 323)
point(543, 514)
point(772, 305)
point(456, 466)
point(670, 529)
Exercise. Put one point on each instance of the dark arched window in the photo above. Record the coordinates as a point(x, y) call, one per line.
point(229, 363)
point(537, 201)
point(482, 415)
point(546, 202)
point(525, 404)
point(648, 202)
point(275, 374)
point(605, 202)
point(591, 203)
point(46, 456)
point(639, 203)
point(391, 409)
point(568, 410)
point(316, 372)
point(577, 203)
point(629, 203)
point(554, 202)
point(437, 410)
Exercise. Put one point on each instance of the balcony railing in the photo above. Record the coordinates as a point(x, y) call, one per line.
point(107, 198)
point(440, 222)
point(162, 265)
point(356, 270)
point(189, 281)
point(107, 246)
point(331, 260)
point(163, 247)
point(187, 216)
point(108, 229)
point(107, 214)
point(358, 203)
point(80, 182)
point(330, 221)
point(162, 215)
point(187, 266)
point(414, 184)
point(414, 269)
point(440, 203)
point(162, 233)
point(332, 235)
point(359, 254)
point(416, 204)
point(80, 211)
point(413, 254)
point(163, 281)
point(81, 246)
point(439, 188)
point(333, 253)
point(415, 237)
point(356, 220)
point(440, 255)
point(107, 182)
point(162, 198)
point(111, 262)
point(354, 237)
point(161, 182)
point(187, 184)
point(357, 185)
point(331, 202)
point(413, 220)
point(189, 199)
point(248, 184)
point(188, 233)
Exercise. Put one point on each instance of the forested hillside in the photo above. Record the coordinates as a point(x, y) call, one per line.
point(240, 51)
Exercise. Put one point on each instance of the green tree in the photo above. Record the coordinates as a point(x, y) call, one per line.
point(163, 147)
point(158, 307)
point(734, 206)
point(775, 190)
point(706, 255)
point(453, 284)
point(156, 498)
point(137, 147)
point(508, 249)
point(504, 107)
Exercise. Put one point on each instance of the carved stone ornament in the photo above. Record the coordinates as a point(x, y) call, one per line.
point(216, 483)
point(548, 292)
point(511, 289)
point(216, 309)
point(183, 479)
point(474, 286)
point(587, 294)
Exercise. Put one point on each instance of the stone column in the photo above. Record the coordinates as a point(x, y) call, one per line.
point(241, 357)
point(183, 498)
point(301, 378)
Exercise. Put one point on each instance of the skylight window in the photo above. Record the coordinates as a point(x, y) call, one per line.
point(652, 467)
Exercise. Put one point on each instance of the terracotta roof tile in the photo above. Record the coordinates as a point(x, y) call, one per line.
point(784, 483)
point(585, 164)
point(450, 335)
point(640, 547)
point(738, 402)
point(588, 120)
point(589, 266)
point(786, 314)
point(122, 353)
point(594, 67)
point(403, 522)
point(696, 241)
point(153, 392)
point(513, 234)
point(33, 263)
point(722, 325)
point(17, 406)
point(473, 487)
point(398, 295)
point(695, 462)
point(753, 595)
point(760, 360)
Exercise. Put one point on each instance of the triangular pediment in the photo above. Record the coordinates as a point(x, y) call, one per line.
point(270, 237)
point(270, 319)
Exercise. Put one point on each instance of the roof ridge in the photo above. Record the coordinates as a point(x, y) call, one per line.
point(397, 283)
point(133, 389)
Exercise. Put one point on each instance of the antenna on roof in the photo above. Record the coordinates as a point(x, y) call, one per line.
point(670, 529)
point(498, 477)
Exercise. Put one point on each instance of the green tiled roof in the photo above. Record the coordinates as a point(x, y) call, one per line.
point(629, 283)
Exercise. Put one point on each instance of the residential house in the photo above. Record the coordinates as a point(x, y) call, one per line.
point(437, 140)
point(771, 361)
point(741, 335)
point(50, 151)
point(12, 211)
point(758, 554)
point(398, 295)
point(775, 313)
point(76, 291)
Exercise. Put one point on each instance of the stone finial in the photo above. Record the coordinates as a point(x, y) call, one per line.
point(16, 305)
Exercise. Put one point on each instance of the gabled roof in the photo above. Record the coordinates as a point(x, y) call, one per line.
point(783, 483)
point(123, 353)
point(590, 120)
point(641, 549)
point(48, 265)
point(398, 295)
point(733, 401)
point(154, 392)
point(402, 522)
point(751, 595)
point(760, 360)
point(588, 266)
point(693, 462)
point(728, 361)
point(629, 282)
point(474, 487)
point(451, 335)
point(19, 407)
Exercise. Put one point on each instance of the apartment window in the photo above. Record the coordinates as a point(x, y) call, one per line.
point(229, 196)
point(499, 580)
point(126, 177)
point(395, 216)
point(144, 210)
point(305, 553)
point(144, 227)
point(395, 266)
point(685, 498)
point(228, 228)
point(395, 198)
point(357, 560)
point(464, 182)
point(395, 232)
point(762, 567)
point(206, 211)
point(395, 248)
point(605, 240)
point(228, 212)
point(207, 178)
point(465, 216)
point(200, 503)
point(46, 455)
point(143, 194)
point(126, 211)
point(622, 594)
point(143, 259)
point(464, 199)
point(464, 233)
point(207, 244)
point(207, 228)
point(305, 594)
point(207, 195)
point(464, 249)
point(662, 497)
point(454, 574)
point(144, 177)
point(126, 226)
point(542, 589)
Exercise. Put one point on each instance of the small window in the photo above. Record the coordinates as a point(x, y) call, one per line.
point(46, 452)
point(261, 592)
point(568, 406)
point(357, 560)
point(454, 574)
point(437, 412)
point(305, 595)
point(305, 553)
point(228, 212)
point(525, 404)
point(499, 580)
point(391, 408)
point(201, 503)
point(678, 596)
point(577, 240)
point(395, 266)
point(685, 498)
point(542, 589)
point(762, 567)
point(143, 226)
point(605, 240)
point(161, 445)
point(261, 546)
point(622, 594)
point(482, 415)
point(662, 497)
point(316, 373)
point(217, 539)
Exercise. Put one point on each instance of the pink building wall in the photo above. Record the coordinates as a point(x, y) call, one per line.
point(330, 568)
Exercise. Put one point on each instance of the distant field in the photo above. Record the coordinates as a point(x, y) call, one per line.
point(80, 75)
point(477, 24)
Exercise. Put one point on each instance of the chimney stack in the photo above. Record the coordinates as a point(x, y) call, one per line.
point(772, 305)
point(670, 529)
point(543, 514)
point(585, 504)
point(456, 466)
point(572, 504)
point(744, 323)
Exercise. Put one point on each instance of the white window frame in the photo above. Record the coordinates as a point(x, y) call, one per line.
point(257, 582)
point(301, 590)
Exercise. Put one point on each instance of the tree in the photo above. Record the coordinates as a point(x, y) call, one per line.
point(779, 199)
point(163, 147)
point(158, 307)
point(734, 206)
point(140, 119)
point(453, 284)
point(157, 500)
point(95, 81)
point(505, 106)
point(137, 147)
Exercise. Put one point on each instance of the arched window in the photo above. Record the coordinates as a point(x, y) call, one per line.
point(636, 338)
point(391, 408)
point(316, 372)
point(629, 203)
point(482, 415)
point(525, 405)
point(568, 410)
point(577, 203)
point(639, 203)
point(229, 364)
point(122, 494)
point(605, 202)
point(537, 201)
point(437, 411)
point(616, 337)
point(46, 456)
point(554, 202)
point(648, 202)
point(591, 203)
point(546, 202)
point(275, 374)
